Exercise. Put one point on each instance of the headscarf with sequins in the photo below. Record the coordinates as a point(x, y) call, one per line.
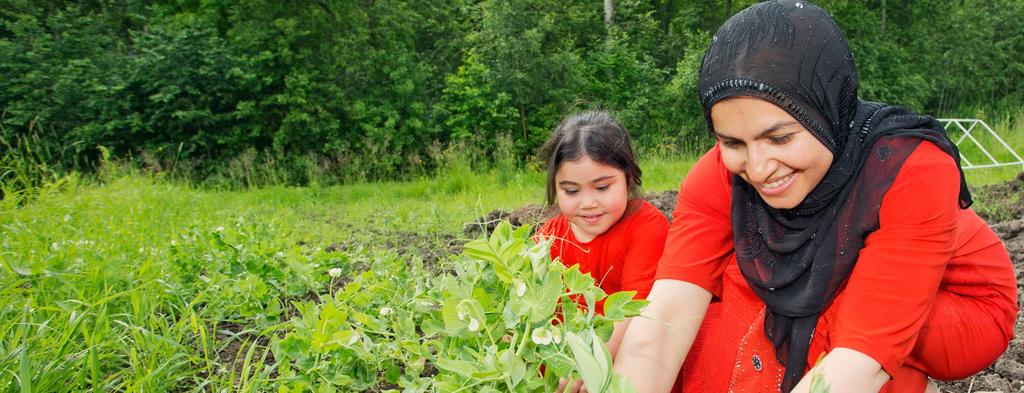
point(792, 54)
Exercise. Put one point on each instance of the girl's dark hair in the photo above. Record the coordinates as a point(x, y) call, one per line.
point(596, 134)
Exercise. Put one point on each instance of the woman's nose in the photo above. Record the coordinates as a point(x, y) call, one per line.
point(760, 164)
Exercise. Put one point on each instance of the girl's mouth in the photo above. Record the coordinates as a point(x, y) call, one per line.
point(592, 218)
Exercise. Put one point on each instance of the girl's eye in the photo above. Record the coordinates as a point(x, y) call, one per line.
point(570, 192)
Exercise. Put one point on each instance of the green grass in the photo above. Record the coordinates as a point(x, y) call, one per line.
point(140, 284)
point(1011, 130)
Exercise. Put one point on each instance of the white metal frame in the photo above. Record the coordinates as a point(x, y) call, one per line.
point(967, 126)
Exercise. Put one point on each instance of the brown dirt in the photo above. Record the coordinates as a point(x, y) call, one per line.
point(236, 341)
point(533, 215)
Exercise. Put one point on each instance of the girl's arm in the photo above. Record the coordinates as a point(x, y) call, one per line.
point(617, 335)
point(846, 370)
point(657, 341)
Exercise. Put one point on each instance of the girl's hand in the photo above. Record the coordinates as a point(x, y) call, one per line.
point(577, 387)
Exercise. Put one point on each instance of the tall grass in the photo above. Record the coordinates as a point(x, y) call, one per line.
point(1011, 130)
point(25, 165)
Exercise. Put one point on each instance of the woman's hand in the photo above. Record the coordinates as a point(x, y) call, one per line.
point(657, 341)
point(846, 370)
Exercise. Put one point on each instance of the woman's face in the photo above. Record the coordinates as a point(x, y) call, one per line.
point(769, 149)
point(593, 196)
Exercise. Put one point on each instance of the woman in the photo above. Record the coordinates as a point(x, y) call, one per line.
point(834, 235)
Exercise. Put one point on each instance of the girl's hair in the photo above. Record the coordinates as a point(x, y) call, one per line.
point(596, 134)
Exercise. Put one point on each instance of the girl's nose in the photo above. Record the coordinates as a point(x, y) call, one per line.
point(588, 202)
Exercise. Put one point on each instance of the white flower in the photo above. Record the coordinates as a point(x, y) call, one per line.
point(279, 254)
point(67, 217)
point(519, 286)
point(556, 335)
point(334, 272)
point(218, 229)
point(386, 311)
point(474, 325)
point(541, 336)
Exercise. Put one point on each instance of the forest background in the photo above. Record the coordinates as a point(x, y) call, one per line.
point(256, 92)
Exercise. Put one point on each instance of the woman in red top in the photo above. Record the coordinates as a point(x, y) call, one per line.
point(604, 225)
point(833, 234)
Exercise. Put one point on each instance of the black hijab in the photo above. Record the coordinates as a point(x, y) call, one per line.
point(792, 54)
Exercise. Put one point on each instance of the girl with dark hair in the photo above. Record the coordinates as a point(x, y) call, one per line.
point(822, 235)
point(604, 225)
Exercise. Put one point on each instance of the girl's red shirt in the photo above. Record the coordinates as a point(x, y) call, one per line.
point(624, 258)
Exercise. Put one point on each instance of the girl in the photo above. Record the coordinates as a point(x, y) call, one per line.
point(833, 234)
point(604, 225)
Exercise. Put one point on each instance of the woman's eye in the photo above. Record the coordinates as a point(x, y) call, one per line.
point(782, 139)
point(602, 187)
point(730, 144)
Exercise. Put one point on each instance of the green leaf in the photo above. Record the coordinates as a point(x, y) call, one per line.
point(595, 377)
point(513, 365)
point(393, 373)
point(544, 300)
point(577, 281)
point(614, 305)
point(450, 314)
point(431, 326)
point(293, 347)
point(818, 384)
point(460, 367)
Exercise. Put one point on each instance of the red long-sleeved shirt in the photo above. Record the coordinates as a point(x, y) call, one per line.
point(924, 244)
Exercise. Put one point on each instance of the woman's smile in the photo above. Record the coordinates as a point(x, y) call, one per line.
point(778, 186)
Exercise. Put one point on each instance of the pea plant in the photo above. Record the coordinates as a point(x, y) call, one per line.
point(503, 318)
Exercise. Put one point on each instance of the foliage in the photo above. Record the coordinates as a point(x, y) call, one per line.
point(250, 93)
point(506, 320)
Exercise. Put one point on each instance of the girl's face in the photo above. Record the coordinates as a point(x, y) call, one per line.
point(769, 149)
point(593, 196)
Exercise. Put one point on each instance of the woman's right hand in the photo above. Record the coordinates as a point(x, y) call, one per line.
point(657, 341)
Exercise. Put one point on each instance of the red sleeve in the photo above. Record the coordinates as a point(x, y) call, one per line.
point(898, 272)
point(646, 240)
point(700, 242)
